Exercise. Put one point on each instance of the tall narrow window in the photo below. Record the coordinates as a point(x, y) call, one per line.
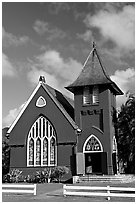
point(95, 95)
point(31, 152)
point(86, 96)
point(44, 132)
point(45, 151)
point(52, 151)
point(47, 128)
point(41, 144)
point(38, 152)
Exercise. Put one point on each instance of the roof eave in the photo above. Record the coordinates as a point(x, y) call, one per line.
point(117, 89)
point(71, 121)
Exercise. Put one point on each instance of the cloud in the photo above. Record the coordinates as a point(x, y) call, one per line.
point(34, 74)
point(115, 25)
point(42, 27)
point(8, 39)
point(67, 69)
point(8, 120)
point(7, 67)
point(125, 79)
point(56, 7)
point(87, 36)
point(58, 72)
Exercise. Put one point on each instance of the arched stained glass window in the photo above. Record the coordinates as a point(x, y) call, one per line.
point(51, 131)
point(40, 128)
point(92, 144)
point(47, 128)
point(41, 144)
point(52, 150)
point(38, 152)
point(31, 152)
point(45, 151)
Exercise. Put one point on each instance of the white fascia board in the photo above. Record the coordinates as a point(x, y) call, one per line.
point(24, 108)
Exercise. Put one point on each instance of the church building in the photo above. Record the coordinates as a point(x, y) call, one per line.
point(52, 130)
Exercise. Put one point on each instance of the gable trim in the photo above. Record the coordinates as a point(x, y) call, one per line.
point(24, 108)
point(71, 121)
point(54, 100)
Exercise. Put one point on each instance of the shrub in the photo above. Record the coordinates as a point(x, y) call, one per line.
point(30, 179)
point(48, 175)
point(40, 176)
point(13, 176)
point(59, 171)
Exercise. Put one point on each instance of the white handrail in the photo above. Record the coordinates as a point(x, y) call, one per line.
point(18, 188)
point(70, 190)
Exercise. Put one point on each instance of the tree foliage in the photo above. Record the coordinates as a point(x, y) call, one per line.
point(5, 152)
point(126, 135)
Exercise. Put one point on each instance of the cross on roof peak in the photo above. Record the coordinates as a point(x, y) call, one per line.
point(94, 44)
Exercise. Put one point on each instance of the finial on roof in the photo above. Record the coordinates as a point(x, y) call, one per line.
point(42, 79)
point(94, 44)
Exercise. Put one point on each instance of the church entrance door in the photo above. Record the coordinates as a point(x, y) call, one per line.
point(93, 150)
point(93, 163)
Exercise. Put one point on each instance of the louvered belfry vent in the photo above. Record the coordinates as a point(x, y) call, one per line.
point(86, 96)
point(95, 95)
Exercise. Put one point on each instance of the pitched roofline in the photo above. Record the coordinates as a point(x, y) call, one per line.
point(29, 100)
point(24, 108)
point(103, 68)
point(88, 57)
point(61, 108)
point(76, 83)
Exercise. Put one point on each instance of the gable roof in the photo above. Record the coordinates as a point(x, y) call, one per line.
point(60, 101)
point(93, 73)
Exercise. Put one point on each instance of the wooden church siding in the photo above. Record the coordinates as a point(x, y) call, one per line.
point(98, 116)
point(20, 154)
point(64, 131)
point(51, 112)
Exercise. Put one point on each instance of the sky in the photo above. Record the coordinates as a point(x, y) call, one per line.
point(54, 40)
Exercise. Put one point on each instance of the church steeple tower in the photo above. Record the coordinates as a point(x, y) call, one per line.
point(93, 73)
point(95, 104)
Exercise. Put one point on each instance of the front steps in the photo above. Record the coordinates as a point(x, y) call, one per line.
point(119, 178)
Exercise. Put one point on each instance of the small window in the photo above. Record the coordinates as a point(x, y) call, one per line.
point(95, 95)
point(41, 102)
point(86, 96)
point(92, 144)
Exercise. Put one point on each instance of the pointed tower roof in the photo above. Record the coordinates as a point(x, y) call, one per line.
point(93, 73)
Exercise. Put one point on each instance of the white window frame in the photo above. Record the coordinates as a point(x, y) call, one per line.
point(84, 146)
point(42, 105)
point(48, 137)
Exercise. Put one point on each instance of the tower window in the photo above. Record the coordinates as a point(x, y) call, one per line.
point(95, 95)
point(89, 98)
point(86, 96)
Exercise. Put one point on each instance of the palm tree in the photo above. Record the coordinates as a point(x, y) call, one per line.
point(126, 135)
